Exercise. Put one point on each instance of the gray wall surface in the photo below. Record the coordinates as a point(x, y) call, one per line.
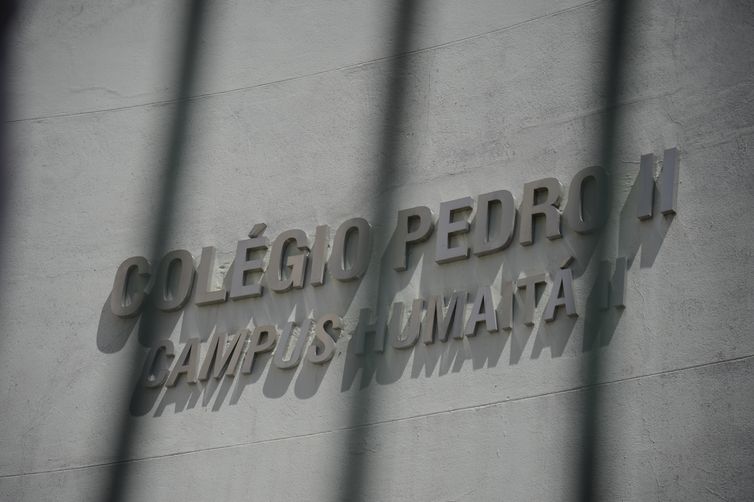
point(285, 129)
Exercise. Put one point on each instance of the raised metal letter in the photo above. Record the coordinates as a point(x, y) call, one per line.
point(447, 227)
point(406, 338)
point(322, 348)
point(152, 379)
point(586, 216)
point(529, 285)
point(646, 186)
point(562, 282)
point(188, 362)
point(262, 339)
point(296, 264)
point(669, 182)
point(482, 311)
point(548, 208)
point(279, 358)
point(444, 316)
point(319, 256)
point(244, 264)
point(505, 310)
point(164, 298)
point(364, 327)
point(403, 236)
point(482, 243)
point(204, 295)
point(221, 355)
point(611, 291)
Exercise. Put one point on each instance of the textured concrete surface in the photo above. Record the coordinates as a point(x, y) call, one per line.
point(286, 131)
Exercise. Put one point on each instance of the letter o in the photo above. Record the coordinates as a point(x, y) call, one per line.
point(337, 265)
point(586, 216)
point(164, 299)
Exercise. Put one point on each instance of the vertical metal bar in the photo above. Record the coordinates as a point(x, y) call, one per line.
point(169, 184)
point(589, 475)
point(355, 466)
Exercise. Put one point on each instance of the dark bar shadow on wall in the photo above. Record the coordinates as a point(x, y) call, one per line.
point(353, 461)
point(589, 476)
point(168, 187)
point(8, 15)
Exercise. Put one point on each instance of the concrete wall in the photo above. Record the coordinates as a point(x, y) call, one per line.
point(286, 129)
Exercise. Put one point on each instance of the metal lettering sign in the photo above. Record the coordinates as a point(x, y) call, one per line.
point(281, 266)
